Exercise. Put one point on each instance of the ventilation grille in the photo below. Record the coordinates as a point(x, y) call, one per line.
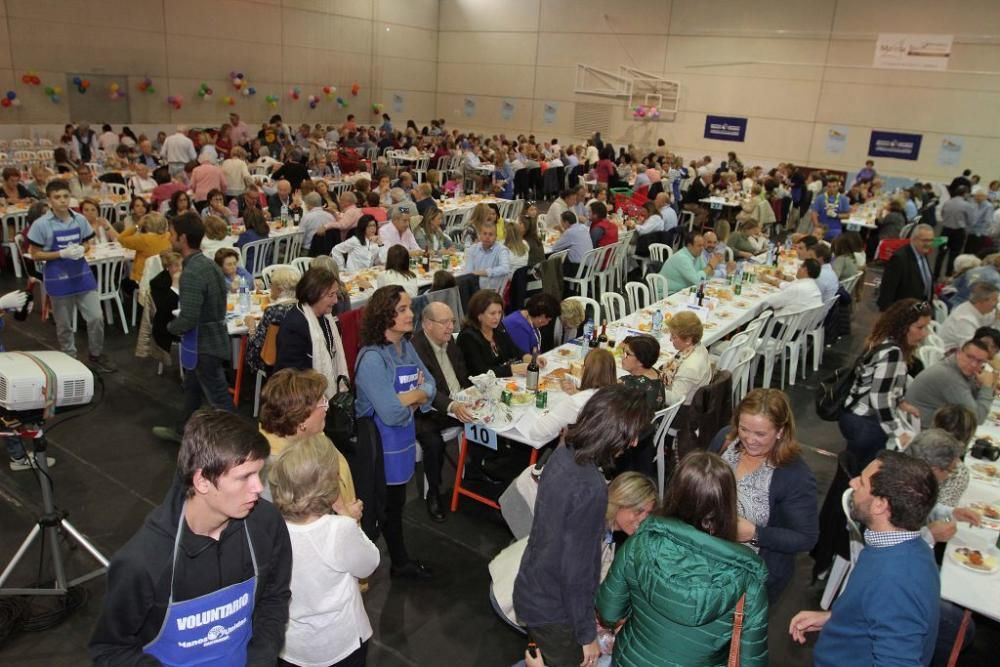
point(590, 118)
point(74, 390)
point(3, 389)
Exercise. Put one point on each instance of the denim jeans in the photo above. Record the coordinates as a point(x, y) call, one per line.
point(15, 447)
point(865, 437)
point(207, 381)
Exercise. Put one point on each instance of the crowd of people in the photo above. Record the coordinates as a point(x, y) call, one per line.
point(262, 548)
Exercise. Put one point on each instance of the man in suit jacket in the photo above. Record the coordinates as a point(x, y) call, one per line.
point(437, 349)
point(908, 274)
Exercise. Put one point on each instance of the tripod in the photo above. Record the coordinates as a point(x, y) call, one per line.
point(49, 523)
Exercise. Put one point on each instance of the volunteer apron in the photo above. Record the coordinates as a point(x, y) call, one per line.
point(213, 628)
point(65, 277)
point(399, 443)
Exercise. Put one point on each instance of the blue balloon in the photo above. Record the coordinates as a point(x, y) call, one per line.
point(55, 99)
point(253, 91)
point(76, 80)
point(11, 94)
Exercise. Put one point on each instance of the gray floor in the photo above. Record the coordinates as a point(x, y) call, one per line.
point(111, 472)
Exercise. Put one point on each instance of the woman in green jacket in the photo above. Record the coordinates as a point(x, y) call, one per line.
point(677, 581)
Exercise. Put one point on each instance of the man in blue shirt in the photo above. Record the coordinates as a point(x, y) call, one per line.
point(576, 239)
point(488, 259)
point(830, 208)
point(888, 613)
point(827, 282)
point(60, 238)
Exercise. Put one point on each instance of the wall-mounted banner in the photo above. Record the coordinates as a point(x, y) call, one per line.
point(836, 139)
point(905, 51)
point(506, 109)
point(470, 107)
point(549, 113)
point(950, 151)
point(725, 128)
point(895, 145)
point(397, 102)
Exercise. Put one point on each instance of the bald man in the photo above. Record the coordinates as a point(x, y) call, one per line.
point(437, 349)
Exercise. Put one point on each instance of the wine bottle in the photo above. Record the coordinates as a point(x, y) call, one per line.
point(593, 339)
point(602, 340)
point(531, 382)
point(701, 294)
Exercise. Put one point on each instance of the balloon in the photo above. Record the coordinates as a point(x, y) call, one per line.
point(11, 94)
point(5, 102)
point(26, 79)
point(16, 102)
point(312, 104)
point(251, 90)
point(245, 92)
point(355, 88)
point(85, 83)
point(55, 99)
point(114, 87)
point(76, 81)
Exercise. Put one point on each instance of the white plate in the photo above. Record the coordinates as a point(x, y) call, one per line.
point(980, 470)
point(991, 559)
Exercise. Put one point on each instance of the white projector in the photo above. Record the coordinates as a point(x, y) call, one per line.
point(23, 378)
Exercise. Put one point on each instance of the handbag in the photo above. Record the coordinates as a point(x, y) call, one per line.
point(734, 644)
point(340, 421)
point(833, 395)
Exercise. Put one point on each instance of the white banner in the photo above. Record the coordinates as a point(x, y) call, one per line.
point(906, 51)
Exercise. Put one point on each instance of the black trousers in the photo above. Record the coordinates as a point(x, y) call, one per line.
point(429, 427)
point(956, 245)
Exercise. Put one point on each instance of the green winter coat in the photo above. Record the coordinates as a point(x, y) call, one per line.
point(677, 588)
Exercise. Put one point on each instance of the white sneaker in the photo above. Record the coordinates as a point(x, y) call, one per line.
point(28, 462)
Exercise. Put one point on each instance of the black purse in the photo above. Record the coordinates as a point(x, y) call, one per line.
point(341, 426)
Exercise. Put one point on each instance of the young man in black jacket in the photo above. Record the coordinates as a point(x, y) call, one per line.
point(206, 578)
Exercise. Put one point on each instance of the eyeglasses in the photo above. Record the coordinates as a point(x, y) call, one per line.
point(452, 322)
point(922, 307)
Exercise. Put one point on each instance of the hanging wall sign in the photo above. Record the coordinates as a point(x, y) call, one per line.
point(950, 151)
point(895, 145)
point(836, 139)
point(725, 128)
point(470, 107)
point(905, 51)
point(506, 109)
point(549, 113)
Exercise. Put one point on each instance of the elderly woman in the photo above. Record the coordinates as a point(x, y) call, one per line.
point(942, 452)
point(640, 354)
point(392, 383)
point(216, 236)
point(280, 300)
point(207, 176)
point(229, 261)
point(690, 368)
point(776, 489)
point(217, 207)
point(524, 325)
point(484, 340)
point(572, 315)
point(429, 234)
point(957, 291)
point(308, 335)
point(676, 583)
point(40, 176)
point(147, 238)
point(557, 579)
point(142, 183)
point(598, 371)
point(236, 172)
point(180, 202)
point(746, 241)
point(961, 423)
point(12, 189)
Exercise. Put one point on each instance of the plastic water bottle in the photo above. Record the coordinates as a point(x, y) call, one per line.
point(658, 321)
point(336, 172)
point(588, 329)
point(244, 294)
point(284, 214)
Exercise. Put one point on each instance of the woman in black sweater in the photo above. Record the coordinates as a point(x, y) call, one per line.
point(484, 341)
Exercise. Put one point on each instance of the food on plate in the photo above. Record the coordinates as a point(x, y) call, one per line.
point(710, 325)
point(565, 352)
point(742, 304)
point(557, 374)
point(645, 326)
point(988, 510)
point(723, 315)
point(576, 369)
point(975, 559)
point(522, 398)
point(512, 386)
point(985, 470)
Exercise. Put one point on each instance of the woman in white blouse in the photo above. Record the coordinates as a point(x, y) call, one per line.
point(514, 240)
point(598, 371)
point(691, 367)
point(362, 248)
point(397, 271)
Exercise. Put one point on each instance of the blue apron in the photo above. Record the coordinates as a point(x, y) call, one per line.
point(189, 349)
point(65, 277)
point(399, 443)
point(214, 628)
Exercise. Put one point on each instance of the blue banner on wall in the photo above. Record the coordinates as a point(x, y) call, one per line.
point(895, 145)
point(725, 128)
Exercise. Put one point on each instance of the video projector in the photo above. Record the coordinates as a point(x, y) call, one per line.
point(24, 377)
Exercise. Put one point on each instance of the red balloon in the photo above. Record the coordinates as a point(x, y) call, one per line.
point(26, 78)
point(4, 102)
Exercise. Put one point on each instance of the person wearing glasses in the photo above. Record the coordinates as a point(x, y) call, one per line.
point(875, 408)
point(908, 273)
point(964, 378)
point(436, 347)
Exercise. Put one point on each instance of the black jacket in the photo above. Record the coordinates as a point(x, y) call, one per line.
point(140, 575)
point(697, 191)
point(901, 279)
point(165, 301)
point(479, 356)
point(274, 207)
point(443, 396)
point(293, 172)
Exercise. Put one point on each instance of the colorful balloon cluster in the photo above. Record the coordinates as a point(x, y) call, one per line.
point(229, 100)
point(294, 92)
point(272, 101)
point(355, 88)
point(53, 93)
point(204, 92)
point(81, 84)
point(645, 112)
point(31, 79)
point(241, 84)
point(10, 100)
point(176, 101)
point(146, 86)
point(313, 101)
point(329, 91)
point(115, 91)
point(376, 109)
point(341, 102)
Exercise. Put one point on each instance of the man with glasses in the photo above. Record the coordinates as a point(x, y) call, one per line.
point(960, 379)
point(908, 274)
point(437, 349)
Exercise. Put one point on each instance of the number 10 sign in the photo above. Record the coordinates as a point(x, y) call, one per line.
point(481, 435)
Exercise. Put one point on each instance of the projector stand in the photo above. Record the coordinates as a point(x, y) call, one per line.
point(50, 523)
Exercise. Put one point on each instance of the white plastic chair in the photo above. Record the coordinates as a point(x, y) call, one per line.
point(638, 296)
point(110, 272)
point(606, 268)
point(586, 270)
point(621, 259)
point(741, 373)
point(287, 247)
point(16, 222)
point(420, 168)
point(796, 343)
point(588, 303)
point(841, 569)
point(265, 274)
point(260, 180)
point(302, 264)
point(929, 355)
point(259, 258)
point(115, 189)
point(815, 333)
point(728, 358)
point(940, 311)
point(657, 286)
point(687, 217)
point(773, 342)
point(663, 419)
point(660, 252)
point(849, 283)
point(613, 306)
